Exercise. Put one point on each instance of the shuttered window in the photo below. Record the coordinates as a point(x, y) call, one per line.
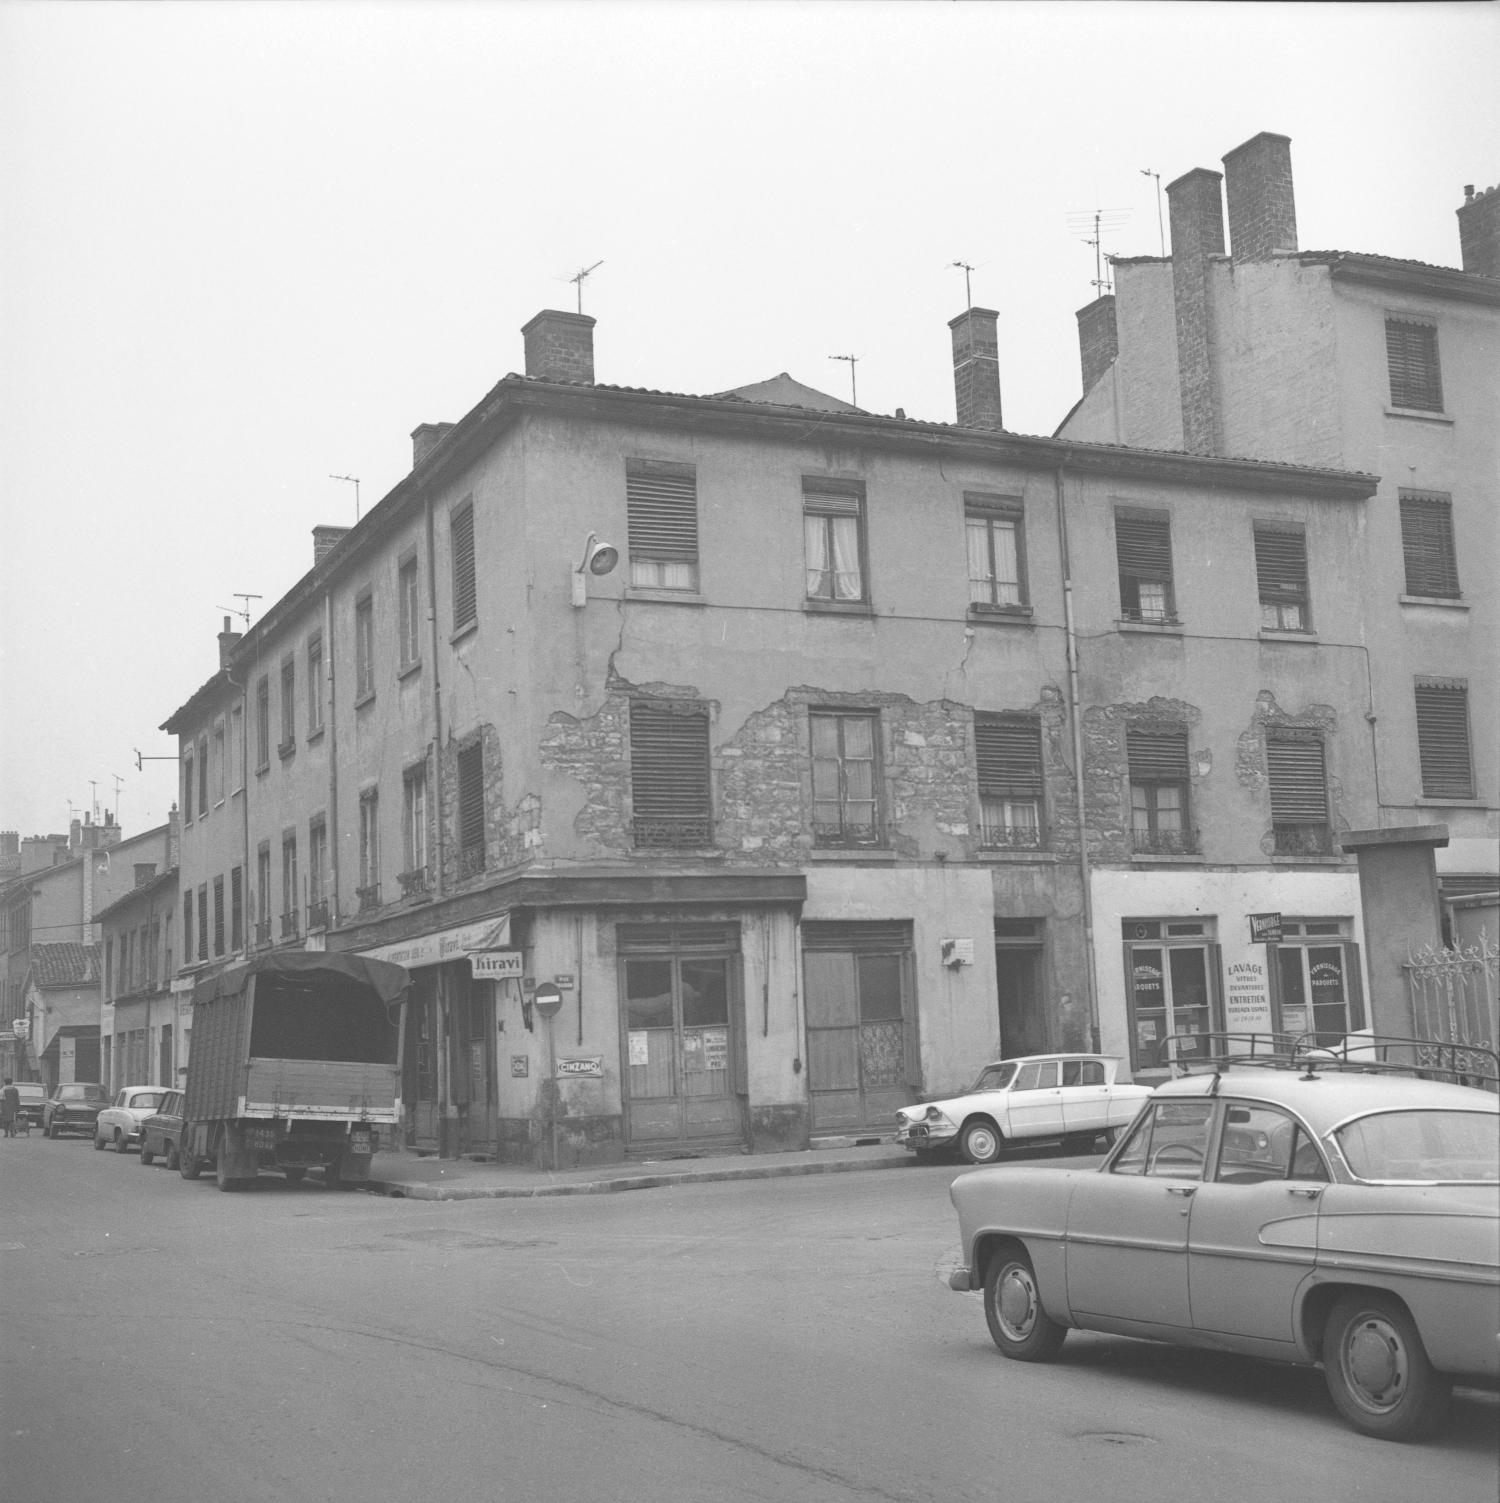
point(669, 773)
point(1299, 794)
point(1281, 574)
point(1143, 546)
point(1008, 757)
point(1411, 351)
point(471, 809)
point(218, 915)
point(1158, 763)
point(236, 908)
point(662, 504)
point(1427, 544)
point(465, 600)
point(1443, 740)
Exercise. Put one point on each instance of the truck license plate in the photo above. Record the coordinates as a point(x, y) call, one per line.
point(260, 1137)
point(359, 1142)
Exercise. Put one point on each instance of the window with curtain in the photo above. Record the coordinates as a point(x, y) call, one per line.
point(410, 607)
point(314, 684)
point(1158, 759)
point(364, 647)
point(1281, 577)
point(833, 531)
point(1143, 546)
point(288, 742)
point(993, 528)
point(661, 502)
point(1008, 751)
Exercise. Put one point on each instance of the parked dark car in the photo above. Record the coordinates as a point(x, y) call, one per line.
point(33, 1099)
point(161, 1132)
point(73, 1108)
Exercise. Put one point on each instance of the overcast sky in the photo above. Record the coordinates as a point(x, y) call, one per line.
point(246, 247)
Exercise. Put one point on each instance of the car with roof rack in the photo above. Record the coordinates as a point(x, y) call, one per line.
point(1319, 1202)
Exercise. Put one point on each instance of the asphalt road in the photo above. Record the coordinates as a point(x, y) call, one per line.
point(788, 1339)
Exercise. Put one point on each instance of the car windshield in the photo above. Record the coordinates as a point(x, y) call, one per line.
point(1422, 1145)
point(995, 1077)
point(80, 1093)
point(146, 1100)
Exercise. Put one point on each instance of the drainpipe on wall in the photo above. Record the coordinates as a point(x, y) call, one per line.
point(248, 917)
point(330, 721)
point(447, 1134)
point(1071, 635)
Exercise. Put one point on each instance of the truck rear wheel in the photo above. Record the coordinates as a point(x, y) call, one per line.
point(225, 1180)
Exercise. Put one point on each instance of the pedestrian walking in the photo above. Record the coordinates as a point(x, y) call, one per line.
point(10, 1107)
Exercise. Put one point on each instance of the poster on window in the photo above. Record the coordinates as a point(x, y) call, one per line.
point(716, 1048)
point(1247, 1001)
point(639, 1043)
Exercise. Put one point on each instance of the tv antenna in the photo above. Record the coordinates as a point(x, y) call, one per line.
point(244, 611)
point(141, 757)
point(967, 271)
point(577, 279)
point(1103, 222)
point(354, 481)
point(853, 384)
point(1160, 231)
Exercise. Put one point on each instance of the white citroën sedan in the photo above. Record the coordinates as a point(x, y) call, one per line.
point(1073, 1097)
point(1303, 1209)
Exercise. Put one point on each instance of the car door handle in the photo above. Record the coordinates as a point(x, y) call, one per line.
point(1307, 1192)
point(1182, 1190)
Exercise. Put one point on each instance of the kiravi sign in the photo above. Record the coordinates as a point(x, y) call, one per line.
point(496, 965)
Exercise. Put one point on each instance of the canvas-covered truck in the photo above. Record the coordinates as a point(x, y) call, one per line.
point(292, 1067)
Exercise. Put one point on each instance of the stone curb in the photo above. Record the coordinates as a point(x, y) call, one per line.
point(404, 1190)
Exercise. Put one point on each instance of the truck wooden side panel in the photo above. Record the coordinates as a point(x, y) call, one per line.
point(216, 1070)
point(319, 1088)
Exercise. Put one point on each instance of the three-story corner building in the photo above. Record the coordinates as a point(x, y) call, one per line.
point(752, 723)
point(1357, 361)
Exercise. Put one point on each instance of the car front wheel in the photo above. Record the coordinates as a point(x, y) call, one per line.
point(1019, 1325)
point(980, 1142)
point(98, 1144)
point(1377, 1370)
point(146, 1154)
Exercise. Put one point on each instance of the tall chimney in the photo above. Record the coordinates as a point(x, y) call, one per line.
point(227, 639)
point(325, 539)
point(1258, 186)
point(1479, 231)
point(976, 368)
point(425, 437)
point(1197, 214)
point(1098, 338)
point(560, 346)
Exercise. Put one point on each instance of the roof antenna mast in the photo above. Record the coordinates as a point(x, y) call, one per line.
point(968, 291)
point(1103, 222)
point(577, 280)
point(354, 481)
point(243, 613)
point(853, 384)
point(1160, 231)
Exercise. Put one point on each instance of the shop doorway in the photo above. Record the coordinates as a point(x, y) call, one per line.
point(861, 1027)
point(683, 1029)
point(419, 1084)
point(1023, 1026)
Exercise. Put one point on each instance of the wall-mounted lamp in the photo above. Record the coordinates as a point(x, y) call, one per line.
point(598, 558)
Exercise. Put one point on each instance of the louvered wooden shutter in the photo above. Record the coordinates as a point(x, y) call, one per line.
point(864, 938)
point(1008, 752)
point(1299, 789)
point(669, 761)
point(471, 798)
point(662, 503)
point(1427, 544)
point(465, 606)
point(1157, 756)
point(1144, 546)
point(1281, 564)
point(1412, 353)
point(1443, 741)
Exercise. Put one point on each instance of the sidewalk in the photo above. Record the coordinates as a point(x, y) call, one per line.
point(409, 1175)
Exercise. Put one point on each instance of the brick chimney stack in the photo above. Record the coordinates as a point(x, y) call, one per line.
point(325, 539)
point(976, 368)
point(1197, 213)
point(1098, 338)
point(1258, 185)
point(227, 639)
point(560, 346)
point(1479, 231)
point(425, 437)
